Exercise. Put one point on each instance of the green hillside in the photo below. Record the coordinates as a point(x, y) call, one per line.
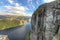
point(7, 24)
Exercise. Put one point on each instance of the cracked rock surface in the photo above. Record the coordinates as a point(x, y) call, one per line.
point(46, 22)
point(4, 37)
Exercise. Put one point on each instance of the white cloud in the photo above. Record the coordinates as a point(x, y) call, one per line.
point(33, 6)
point(29, 15)
point(31, 3)
point(11, 1)
point(17, 10)
point(17, 4)
point(47, 1)
point(37, 2)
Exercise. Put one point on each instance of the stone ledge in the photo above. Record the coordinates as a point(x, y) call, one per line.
point(4, 37)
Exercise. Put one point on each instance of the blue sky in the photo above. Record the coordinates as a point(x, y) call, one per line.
point(20, 7)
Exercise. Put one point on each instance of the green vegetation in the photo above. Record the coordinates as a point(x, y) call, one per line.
point(8, 24)
point(58, 36)
point(28, 36)
point(8, 21)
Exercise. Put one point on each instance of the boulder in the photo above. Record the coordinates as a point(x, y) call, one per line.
point(4, 37)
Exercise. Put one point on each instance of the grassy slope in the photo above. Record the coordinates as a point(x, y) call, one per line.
point(58, 36)
point(7, 24)
point(28, 36)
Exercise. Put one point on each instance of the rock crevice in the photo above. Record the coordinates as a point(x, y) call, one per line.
point(46, 22)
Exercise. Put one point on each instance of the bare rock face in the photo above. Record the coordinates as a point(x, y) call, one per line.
point(46, 22)
point(4, 37)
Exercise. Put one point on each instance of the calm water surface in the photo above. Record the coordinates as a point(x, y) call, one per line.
point(17, 33)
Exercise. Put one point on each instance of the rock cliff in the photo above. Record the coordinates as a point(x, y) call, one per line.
point(46, 22)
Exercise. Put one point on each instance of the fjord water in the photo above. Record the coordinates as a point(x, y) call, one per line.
point(17, 33)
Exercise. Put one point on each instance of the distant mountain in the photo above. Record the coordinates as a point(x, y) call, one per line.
point(14, 16)
point(3, 16)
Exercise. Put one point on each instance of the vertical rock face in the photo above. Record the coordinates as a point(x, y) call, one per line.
point(46, 22)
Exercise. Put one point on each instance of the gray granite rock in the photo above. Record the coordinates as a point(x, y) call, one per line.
point(46, 22)
point(4, 37)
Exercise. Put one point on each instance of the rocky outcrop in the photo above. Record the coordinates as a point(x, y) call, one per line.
point(46, 22)
point(4, 37)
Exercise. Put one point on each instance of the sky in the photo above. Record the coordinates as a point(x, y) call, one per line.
point(20, 7)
